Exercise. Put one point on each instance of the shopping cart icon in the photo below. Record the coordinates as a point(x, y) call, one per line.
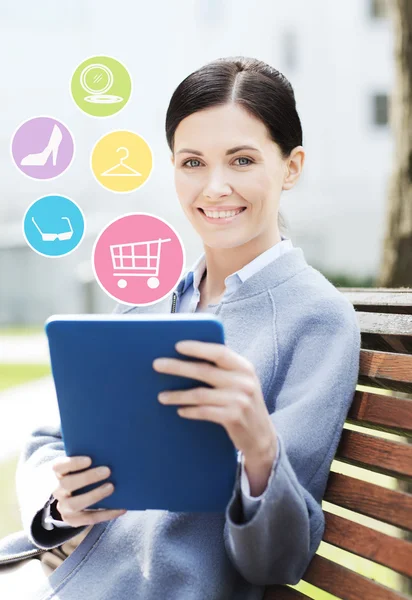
point(126, 262)
point(50, 237)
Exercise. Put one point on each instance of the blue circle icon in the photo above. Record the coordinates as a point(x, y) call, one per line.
point(53, 226)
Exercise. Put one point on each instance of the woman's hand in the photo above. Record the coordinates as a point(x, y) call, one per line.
point(235, 401)
point(71, 508)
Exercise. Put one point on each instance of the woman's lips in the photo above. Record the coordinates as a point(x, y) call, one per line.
point(219, 220)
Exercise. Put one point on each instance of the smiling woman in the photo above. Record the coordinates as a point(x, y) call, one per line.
point(292, 345)
point(237, 144)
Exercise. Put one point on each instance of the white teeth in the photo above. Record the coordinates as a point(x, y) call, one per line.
point(222, 214)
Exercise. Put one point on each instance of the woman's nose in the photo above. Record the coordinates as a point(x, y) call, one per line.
point(217, 187)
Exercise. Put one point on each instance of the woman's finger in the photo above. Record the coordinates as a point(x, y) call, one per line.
point(204, 396)
point(69, 464)
point(78, 503)
point(223, 356)
point(93, 517)
point(76, 481)
point(202, 371)
point(217, 414)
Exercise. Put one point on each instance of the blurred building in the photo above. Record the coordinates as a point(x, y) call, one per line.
point(338, 58)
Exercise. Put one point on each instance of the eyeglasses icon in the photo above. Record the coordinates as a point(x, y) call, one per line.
point(50, 237)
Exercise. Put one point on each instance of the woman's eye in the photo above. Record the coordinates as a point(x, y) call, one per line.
point(244, 158)
point(185, 164)
point(191, 160)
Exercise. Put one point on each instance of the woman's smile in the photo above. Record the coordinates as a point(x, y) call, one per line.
point(220, 220)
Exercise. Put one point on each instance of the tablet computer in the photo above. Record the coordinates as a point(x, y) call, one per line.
point(107, 389)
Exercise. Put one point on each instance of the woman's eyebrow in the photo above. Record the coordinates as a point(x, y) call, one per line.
point(231, 151)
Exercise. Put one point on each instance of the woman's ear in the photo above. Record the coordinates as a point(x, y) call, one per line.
point(172, 159)
point(294, 165)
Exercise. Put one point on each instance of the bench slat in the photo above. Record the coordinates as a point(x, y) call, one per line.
point(386, 365)
point(385, 319)
point(345, 583)
point(380, 300)
point(379, 547)
point(385, 324)
point(386, 332)
point(387, 343)
point(386, 369)
point(358, 539)
point(385, 413)
point(390, 506)
point(376, 454)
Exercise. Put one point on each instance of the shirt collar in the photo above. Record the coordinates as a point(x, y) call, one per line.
point(195, 273)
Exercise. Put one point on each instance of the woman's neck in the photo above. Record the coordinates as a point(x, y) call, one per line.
point(222, 262)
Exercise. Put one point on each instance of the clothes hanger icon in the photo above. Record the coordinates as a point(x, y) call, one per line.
point(131, 172)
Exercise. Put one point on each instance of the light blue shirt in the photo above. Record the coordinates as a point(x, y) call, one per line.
point(191, 294)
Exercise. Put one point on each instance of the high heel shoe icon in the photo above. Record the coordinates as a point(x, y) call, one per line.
point(40, 159)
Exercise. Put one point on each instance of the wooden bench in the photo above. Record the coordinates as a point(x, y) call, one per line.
point(385, 319)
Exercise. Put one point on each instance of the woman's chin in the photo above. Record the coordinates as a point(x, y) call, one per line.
point(222, 242)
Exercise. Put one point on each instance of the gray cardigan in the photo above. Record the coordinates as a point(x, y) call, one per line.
point(303, 338)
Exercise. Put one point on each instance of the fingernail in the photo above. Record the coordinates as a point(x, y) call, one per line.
point(160, 362)
point(107, 487)
point(103, 472)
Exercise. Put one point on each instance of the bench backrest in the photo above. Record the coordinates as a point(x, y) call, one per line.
point(385, 319)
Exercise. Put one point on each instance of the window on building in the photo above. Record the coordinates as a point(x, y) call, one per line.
point(380, 109)
point(379, 9)
point(289, 49)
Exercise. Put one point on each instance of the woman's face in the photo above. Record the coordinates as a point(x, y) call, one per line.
point(209, 174)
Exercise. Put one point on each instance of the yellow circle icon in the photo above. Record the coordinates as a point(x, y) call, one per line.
point(121, 161)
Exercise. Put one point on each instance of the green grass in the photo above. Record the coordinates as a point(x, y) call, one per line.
point(21, 329)
point(15, 374)
point(10, 517)
point(11, 375)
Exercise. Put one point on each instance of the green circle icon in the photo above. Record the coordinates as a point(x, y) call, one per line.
point(101, 86)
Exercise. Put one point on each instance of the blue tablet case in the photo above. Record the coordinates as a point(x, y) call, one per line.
point(107, 391)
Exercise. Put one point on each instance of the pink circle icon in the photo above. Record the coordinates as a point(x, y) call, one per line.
point(138, 259)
